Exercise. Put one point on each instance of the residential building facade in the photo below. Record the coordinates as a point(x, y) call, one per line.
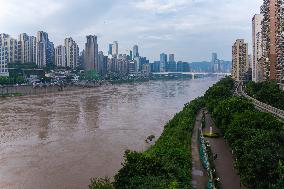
point(60, 56)
point(240, 60)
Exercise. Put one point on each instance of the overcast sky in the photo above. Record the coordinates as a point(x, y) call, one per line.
point(191, 29)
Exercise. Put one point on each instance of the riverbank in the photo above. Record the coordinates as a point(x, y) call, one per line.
point(26, 90)
point(254, 138)
point(61, 140)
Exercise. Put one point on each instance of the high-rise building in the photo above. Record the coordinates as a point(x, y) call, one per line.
point(26, 48)
point(130, 55)
point(135, 51)
point(171, 58)
point(163, 62)
point(171, 66)
point(11, 45)
point(91, 53)
point(240, 60)
point(137, 61)
point(60, 56)
point(110, 49)
point(102, 59)
point(42, 45)
point(3, 61)
point(257, 67)
point(72, 53)
point(115, 49)
point(272, 39)
point(215, 63)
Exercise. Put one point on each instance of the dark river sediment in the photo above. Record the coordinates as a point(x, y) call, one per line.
point(60, 141)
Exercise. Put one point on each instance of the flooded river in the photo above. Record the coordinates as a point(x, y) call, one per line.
point(60, 141)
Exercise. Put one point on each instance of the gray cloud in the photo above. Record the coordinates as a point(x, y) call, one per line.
point(191, 29)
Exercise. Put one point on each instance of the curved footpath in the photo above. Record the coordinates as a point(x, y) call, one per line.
point(225, 162)
point(199, 175)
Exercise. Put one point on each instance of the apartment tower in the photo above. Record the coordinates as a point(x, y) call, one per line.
point(240, 60)
point(272, 38)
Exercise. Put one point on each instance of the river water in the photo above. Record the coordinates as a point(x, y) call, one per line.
point(60, 141)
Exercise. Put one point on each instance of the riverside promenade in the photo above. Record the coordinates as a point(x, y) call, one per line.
point(224, 163)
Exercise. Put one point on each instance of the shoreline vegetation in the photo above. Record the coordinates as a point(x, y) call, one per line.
point(255, 138)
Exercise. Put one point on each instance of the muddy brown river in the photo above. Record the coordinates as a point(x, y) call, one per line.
point(60, 141)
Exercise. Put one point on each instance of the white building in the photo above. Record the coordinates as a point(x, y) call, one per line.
point(257, 70)
point(12, 47)
point(60, 56)
point(27, 48)
point(72, 53)
point(115, 49)
point(3, 61)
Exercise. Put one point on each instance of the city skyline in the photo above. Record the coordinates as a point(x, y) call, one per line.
point(192, 31)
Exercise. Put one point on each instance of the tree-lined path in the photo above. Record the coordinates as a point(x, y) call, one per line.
point(224, 163)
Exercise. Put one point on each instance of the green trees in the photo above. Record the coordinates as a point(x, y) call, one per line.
point(90, 75)
point(267, 92)
point(256, 138)
point(11, 80)
point(220, 91)
point(167, 164)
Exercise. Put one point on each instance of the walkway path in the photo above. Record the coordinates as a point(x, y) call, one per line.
point(224, 163)
point(199, 175)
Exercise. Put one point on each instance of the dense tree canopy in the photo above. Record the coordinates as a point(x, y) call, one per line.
point(267, 92)
point(256, 138)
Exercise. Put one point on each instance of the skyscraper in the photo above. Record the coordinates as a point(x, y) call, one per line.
point(60, 56)
point(172, 65)
point(135, 51)
point(91, 53)
point(26, 48)
point(171, 58)
point(215, 63)
point(110, 49)
point(115, 49)
point(130, 55)
point(256, 66)
point(72, 53)
point(42, 49)
point(272, 39)
point(163, 62)
point(240, 60)
point(102, 59)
